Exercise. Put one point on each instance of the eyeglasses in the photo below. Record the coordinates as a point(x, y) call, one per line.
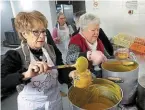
point(37, 32)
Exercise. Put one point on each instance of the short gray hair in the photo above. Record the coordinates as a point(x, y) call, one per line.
point(88, 18)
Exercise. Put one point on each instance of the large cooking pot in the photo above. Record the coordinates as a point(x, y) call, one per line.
point(127, 76)
point(101, 94)
point(141, 93)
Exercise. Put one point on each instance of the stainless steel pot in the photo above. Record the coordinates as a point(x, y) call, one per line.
point(79, 97)
point(128, 76)
point(141, 93)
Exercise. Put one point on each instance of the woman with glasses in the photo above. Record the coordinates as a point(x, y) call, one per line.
point(61, 34)
point(86, 43)
point(30, 65)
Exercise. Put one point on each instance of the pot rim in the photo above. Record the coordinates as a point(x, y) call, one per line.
point(107, 108)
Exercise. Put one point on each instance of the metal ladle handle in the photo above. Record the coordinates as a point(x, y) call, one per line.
point(115, 79)
point(59, 67)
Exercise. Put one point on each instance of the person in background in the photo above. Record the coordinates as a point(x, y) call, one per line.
point(86, 43)
point(30, 64)
point(102, 36)
point(61, 34)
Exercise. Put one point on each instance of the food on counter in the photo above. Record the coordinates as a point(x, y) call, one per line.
point(123, 40)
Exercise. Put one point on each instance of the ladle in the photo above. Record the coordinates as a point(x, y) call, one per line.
point(81, 65)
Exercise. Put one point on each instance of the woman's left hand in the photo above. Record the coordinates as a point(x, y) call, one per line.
point(73, 74)
point(96, 57)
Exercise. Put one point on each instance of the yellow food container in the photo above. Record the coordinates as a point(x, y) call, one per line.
point(122, 53)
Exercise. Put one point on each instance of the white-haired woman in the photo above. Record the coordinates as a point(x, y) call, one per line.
point(86, 42)
point(61, 33)
point(102, 36)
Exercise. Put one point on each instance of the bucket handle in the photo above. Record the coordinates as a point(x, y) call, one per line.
point(115, 79)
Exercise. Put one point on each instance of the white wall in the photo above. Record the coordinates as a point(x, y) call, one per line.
point(6, 15)
point(46, 7)
point(115, 18)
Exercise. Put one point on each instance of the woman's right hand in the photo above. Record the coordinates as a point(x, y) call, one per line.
point(36, 68)
point(96, 57)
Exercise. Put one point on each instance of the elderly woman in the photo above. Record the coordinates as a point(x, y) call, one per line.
point(61, 33)
point(30, 65)
point(86, 43)
point(102, 36)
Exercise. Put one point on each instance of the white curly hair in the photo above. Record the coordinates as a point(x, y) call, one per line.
point(86, 19)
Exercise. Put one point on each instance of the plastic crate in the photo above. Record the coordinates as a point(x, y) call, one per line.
point(139, 40)
point(139, 48)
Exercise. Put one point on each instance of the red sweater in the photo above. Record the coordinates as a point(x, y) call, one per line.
point(81, 42)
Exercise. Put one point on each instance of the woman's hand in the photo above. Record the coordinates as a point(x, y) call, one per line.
point(36, 68)
point(57, 40)
point(96, 57)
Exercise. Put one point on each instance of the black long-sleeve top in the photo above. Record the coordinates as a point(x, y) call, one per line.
point(11, 66)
